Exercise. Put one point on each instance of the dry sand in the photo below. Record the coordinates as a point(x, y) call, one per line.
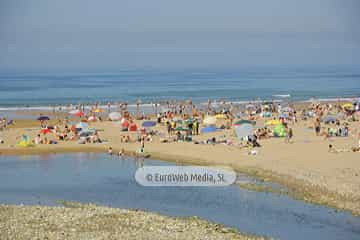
point(305, 166)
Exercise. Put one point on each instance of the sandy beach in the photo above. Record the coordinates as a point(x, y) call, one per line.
point(305, 166)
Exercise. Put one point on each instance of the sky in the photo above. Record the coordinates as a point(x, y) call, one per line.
point(118, 34)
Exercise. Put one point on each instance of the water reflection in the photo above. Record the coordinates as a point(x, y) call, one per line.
point(109, 180)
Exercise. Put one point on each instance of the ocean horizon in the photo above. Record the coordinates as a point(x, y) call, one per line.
point(44, 89)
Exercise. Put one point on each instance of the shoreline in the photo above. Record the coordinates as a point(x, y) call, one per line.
point(87, 221)
point(296, 188)
point(276, 99)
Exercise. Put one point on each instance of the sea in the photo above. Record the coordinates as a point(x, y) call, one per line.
point(45, 89)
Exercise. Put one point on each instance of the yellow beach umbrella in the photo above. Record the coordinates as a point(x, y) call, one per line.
point(209, 120)
point(220, 116)
point(98, 110)
point(272, 122)
point(347, 105)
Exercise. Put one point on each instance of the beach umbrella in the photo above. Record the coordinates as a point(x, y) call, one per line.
point(77, 113)
point(329, 119)
point(284, 115)
point(189, 120)
point(287, 109)
point(82, 125)
point(181, 129)
point(220, 116)
point(86, 133)
point(72, 112)
point(115, 116)
point(124, 123)
point(243, 130)
point(208, 129)
point(133, 127)
point(348, 105)
point(164, 109)
point(123, 120)
point(80, 114)
point(92, 118)
point(279, 131)
point(239, 115)
point(266, 114)
point(43, 118)
point(45, 131)
point(272, 122)
point(250, 106)
point(243, 121)
point(149, 124)
point(209, 120)
point(98, 110)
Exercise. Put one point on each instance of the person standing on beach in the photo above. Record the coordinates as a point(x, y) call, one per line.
point(109, 106)
point(289, 135)
point(317, 126)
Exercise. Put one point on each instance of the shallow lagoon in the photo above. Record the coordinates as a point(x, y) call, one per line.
point(109, 180)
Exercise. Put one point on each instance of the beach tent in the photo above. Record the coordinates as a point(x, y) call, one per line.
point(279, 131)
point(243, 130)
point(329, 119)
point(149, 124)
point(43, 118)
point(114, 116)
point(208, 129)
point(272, 122)
point(209, 120)
point(243, 121)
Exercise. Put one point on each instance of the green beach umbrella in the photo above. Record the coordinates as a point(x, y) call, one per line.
point(243, 121)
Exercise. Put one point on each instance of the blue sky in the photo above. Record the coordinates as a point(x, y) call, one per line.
point(114, 34)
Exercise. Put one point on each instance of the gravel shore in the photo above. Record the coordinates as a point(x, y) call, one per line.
point(78, 221)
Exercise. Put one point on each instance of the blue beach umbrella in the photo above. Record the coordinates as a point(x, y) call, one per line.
point(82, 125)
point(149, 124)
point(208, 129)
point(329, 118)
point(43, 118)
